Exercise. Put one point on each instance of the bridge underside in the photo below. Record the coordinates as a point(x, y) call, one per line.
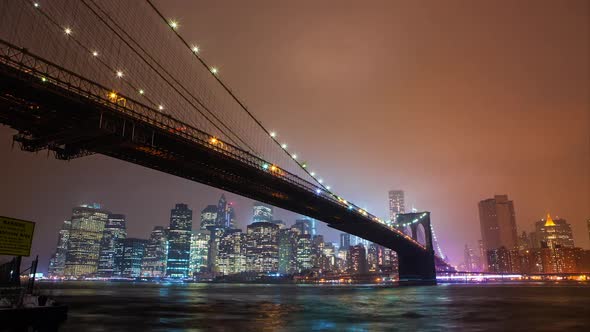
point(55, 118)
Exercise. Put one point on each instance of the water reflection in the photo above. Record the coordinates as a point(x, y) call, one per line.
point(231, 307)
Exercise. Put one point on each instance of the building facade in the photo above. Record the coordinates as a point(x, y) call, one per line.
point(555, 233)
point(262, 213)
point(57, 262)
point(86, 230)
point(498, 223)
point(131, 262)
point(155, 257)
point(115, 230)
point(208, 217)
point(200, 252)
point(179, 242)
point(262, 249)
point(231, 257)
point(396, 203)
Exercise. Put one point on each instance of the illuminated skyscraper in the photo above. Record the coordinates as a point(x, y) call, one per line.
point(396, 203)
point(231, 257)
point(555, 233)
point(262, 213)
point(133, 250)
point(225, 214)
point(498, 223)
point(344, 241)
point(87, 226)
point(304, 253)
point(208, 216)
point(58, 260)
point(154, 260)
point(179, 241)
point(262, 249)
point(304, 226)
point(357, 259)
point(199, 252)
point(288, 250)
point(114, 231)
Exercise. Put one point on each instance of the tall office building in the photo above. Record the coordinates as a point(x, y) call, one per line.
point(231, 257)
point(304, 226)
point(262, 249)
point(208, 216)
point(498, 223)
point(469, 259)
point(396, 203)
point(179, 241)
point(262, 213)
point(114, 231)
point(357, 259)
point(226, 217)
point(58, 260)
point(216, 233)
point(304, 252)
point(200, 252)
point(288, 250)
point(154, 260)
point(86, 230)
point(133, 251)
point(554, 233)
point(344, 241)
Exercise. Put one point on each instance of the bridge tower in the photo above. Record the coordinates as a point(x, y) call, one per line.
point(417, 269)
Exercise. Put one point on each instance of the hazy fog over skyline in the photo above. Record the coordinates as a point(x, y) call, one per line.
point(450, 101)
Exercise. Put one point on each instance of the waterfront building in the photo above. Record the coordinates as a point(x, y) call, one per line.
point(225, 214)
point(357, 259)
point(200, 252)
point(262, 249)
point(131, 262)
point(262, 212)
point(86, 230)
point(374, 257)
point(231, 257)
point(179, 241)
point(554, 233)
point(344, 241)
point(115, 230)
point(58, 260)
point(208, 216)
point(341, 265)
point(304, 254)
point(155, 257)
point(498, 223)
point(288, 250)
point(215, 235)
point(396, 204)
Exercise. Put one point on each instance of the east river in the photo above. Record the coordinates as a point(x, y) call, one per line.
point(103, 306)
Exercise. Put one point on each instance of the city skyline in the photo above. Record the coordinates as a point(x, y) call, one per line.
point(475, 160)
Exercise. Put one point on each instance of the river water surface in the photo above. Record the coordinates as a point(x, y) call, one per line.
point(103, 306)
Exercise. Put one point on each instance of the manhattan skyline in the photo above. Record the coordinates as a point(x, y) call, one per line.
point(444, 118)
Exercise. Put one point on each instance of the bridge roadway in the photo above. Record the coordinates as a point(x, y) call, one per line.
point(53, 108)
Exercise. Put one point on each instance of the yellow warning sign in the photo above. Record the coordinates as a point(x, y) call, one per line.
point(16, 236)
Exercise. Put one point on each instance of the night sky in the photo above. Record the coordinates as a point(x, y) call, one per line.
point(451, 101)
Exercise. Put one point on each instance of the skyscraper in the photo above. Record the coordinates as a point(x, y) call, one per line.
point(58, 260)
point(554, 233)
point(200, 252)
point(262, 213)
point(344, 241)
point(231, 257)
point(396, 203)
point(288, 250)
point(262, 249)
point(225, 214)
point(179, 241)
point(498, 223)
point(304, 226)
point(154, 260)
point(303, 257)
point(469, 259)
point(133, 251)
point(357, 259)
point(208, 216)
point(86, 230)
point(114, 230)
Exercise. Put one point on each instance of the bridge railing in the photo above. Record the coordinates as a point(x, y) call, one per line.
point(50, 73)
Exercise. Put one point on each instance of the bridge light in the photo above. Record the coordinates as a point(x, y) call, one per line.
point(318, 191)
point(273, 134)
point(36, 5)
point(213, 140)
point(174, 24)
point(119, 73)
point(321, 181)
point(284, 145)
point(113, 96)
point(141, 91)
point(195, 49)
point(294, 156)
point(273, 168)
point(160, 107)
point(68, 31)
point(94, 53)
point(214, 70)
point(312, 173)
point(265, 166)
point(304, 165)
point(43, 79)
point(328, 187)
